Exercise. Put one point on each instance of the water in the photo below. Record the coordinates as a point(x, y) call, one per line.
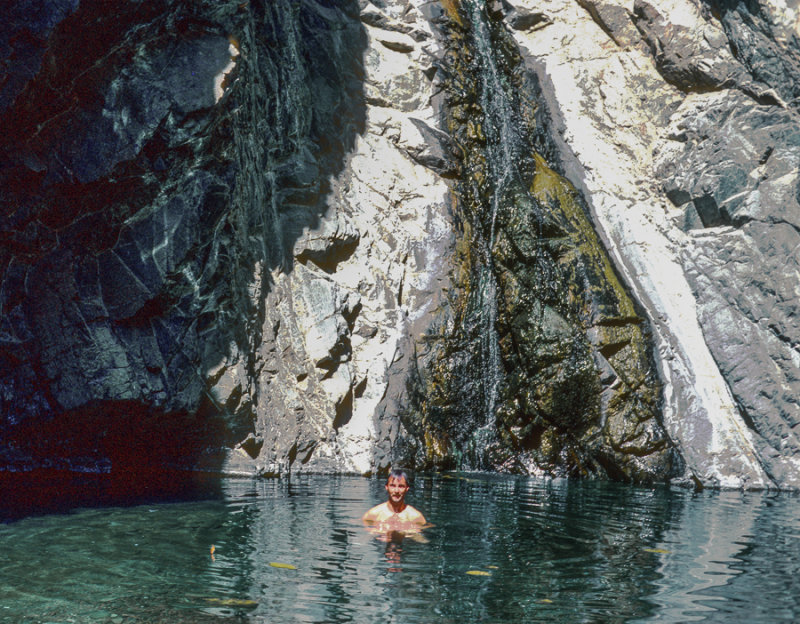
point(503, 549)
point(501, 129)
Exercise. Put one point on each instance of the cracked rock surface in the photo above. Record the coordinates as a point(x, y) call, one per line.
point(230, 235)
point(224, 221)
point(679, 121)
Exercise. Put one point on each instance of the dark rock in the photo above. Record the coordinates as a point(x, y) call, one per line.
point(525, 20)
point(615, 20)
point(134, 193)
point(545, 356)
point(768, 48)
point(690, 58)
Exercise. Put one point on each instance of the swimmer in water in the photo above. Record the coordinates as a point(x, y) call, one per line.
point(395, 514)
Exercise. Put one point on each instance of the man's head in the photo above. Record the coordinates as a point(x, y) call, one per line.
point(397, 486)
point(398, 473)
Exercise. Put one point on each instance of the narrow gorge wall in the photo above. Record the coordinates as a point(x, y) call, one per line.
point(549, 237)
point(225, 223)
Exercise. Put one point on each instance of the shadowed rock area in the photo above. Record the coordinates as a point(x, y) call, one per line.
point(152, 176)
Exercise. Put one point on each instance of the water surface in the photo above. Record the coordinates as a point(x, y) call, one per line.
point(502, 549)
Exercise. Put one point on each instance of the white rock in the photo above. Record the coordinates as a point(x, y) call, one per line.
point(612, 134)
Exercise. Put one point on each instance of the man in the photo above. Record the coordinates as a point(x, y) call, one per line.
point(395, 514)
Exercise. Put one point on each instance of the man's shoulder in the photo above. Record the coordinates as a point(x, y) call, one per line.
point(411, 514)
point(377, 513)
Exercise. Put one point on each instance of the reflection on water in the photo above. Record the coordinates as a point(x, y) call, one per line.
point(500, 549)
point(732, 556)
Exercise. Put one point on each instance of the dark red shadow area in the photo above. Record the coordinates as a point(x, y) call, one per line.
point(47, 491)
point(111, 454)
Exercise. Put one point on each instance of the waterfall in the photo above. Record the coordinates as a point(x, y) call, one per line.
point(501, 151)
point(513, 381)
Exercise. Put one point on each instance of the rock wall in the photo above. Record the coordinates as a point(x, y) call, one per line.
point(342, 319)
point(547, 366)
point(281, 236)
point(679, 124)
point(224, 225)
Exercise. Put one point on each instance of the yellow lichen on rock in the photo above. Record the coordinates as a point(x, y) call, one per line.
point(451, 8)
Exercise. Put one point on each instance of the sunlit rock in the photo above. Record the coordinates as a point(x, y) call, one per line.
point(341, 325)
point(659, 164)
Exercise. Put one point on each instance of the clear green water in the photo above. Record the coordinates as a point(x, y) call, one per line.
point(547, 551)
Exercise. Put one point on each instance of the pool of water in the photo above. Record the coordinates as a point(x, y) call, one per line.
point(501, 549)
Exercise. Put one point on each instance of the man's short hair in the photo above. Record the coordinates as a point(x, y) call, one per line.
point(398, 473)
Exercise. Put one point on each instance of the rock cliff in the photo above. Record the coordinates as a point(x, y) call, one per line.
point(550, 237)
point(678, 122)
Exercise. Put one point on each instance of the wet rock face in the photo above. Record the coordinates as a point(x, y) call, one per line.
point(546, 365)
point(678, 122)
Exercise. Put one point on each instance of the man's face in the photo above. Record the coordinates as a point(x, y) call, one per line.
point(397, 489)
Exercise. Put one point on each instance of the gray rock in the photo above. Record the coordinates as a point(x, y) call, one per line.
point(693, 57)
point(698, 203)
point(764, 38)
point(615, 20)
point(735, 160)
point(232, 232)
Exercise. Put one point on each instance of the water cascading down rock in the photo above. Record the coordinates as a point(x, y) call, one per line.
point(545, 365)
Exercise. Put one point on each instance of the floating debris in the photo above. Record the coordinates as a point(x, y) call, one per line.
point(657, 550)
point(233, 602)
point(478, 573)
point(284, 566)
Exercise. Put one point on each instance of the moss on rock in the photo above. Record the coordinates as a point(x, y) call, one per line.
point(576, 391)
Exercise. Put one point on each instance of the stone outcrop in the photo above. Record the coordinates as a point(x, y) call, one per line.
point(551, 236)
point(669, 116)
point(217, 212)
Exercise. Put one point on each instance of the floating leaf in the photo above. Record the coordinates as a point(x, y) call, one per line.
point(656, 550)
point(478, 573)
point(546, 601)
point(285, 566)
point(493, 567)
point(233, 602)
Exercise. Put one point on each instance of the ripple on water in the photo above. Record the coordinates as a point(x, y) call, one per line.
point(501, 549)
